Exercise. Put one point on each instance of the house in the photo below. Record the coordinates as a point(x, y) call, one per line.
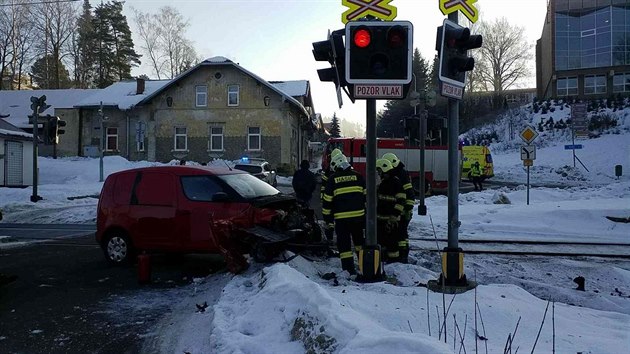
point(216, 109)
point(16, 156)
point(582, 51)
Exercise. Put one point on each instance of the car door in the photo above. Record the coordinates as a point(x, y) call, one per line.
point(153, 210)
point(198, 208)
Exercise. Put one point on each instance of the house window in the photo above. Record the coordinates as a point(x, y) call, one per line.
point(111, 141)
point(594, 84)
point(216, 138)
point(253, 138)
point(621, 83)
point(140, 133)
point(233, 96)
point(201, 96)
point(567, 86)
point(181, 139)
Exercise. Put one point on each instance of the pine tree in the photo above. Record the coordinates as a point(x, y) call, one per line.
point(44, 81)
point(335, 130)
point(85, 58)
point(115, 54)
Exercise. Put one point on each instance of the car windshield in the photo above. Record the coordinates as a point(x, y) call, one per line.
point(249, 168)
point(249, 186)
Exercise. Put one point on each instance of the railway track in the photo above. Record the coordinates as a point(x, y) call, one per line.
point(529, 248)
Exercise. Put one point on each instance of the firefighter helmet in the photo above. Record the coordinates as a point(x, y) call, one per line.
point(337, 161)
point(391, 157)
point(384, 165)
point(334, 153)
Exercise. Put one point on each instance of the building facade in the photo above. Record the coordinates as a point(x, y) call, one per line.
point(584, 49)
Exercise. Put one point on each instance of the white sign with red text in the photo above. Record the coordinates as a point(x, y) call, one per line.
point(378, 91)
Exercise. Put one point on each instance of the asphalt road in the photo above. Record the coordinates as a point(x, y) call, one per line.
point(67, 299)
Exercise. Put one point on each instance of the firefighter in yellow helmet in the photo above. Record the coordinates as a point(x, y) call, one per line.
point(389, 207)
point(403, 175)
point(344, 209)
point(325, 175)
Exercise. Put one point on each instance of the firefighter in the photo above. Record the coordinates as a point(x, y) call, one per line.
point(403, 175)
point(475, 174)
point(389, 207)
point(344, 209)
point(325, 174)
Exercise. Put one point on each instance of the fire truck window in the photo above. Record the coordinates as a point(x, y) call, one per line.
point(363, 150)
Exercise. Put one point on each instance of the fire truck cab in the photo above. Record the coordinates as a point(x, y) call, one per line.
point(435, 159)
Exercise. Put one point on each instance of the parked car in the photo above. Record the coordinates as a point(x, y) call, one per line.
point(195, 209)
point(259, 168)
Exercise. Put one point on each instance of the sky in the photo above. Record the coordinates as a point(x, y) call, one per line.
point(274, 38)
point(289, 307)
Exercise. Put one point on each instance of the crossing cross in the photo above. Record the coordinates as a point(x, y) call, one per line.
point(361, 8)
point(465, 6)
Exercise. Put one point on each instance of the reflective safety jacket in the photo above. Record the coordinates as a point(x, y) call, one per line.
point(325, 175)
point(475, 171)
point(344, 196)
point(391, 198)
point(403, 176)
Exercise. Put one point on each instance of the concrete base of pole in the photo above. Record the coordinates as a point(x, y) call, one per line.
point(370, 265)
point(452, 280)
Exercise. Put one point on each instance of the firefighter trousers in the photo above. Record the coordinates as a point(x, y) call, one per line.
point(388, 239)
point(349, 231)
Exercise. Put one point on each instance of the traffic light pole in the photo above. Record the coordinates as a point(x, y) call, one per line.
point(35, 197)
point(100, 160)
point(371, 173)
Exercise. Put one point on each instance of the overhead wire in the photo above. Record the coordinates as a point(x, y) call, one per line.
point(37, 2)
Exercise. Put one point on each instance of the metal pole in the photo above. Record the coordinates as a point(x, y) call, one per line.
point(370, 173)
point(573, 143)
point(422, 208)
point(35, 197)
point(100, 162)
point(453, 166)
point(528, 185)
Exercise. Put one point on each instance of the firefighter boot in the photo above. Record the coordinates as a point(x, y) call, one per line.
point(403, 251)
point(347, 264)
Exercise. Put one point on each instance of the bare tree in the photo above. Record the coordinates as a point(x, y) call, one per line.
point(7, 29)
point(162, 35)
point(22, 43)
point(505, 55)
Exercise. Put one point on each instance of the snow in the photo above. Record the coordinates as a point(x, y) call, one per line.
point(122, 94)
point(290, 308)
point(295, 88)
point(15, 133)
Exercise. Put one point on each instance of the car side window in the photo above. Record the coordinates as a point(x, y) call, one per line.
point(155, 189)
point(200, 188)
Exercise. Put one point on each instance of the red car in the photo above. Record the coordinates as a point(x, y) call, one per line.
point(188, 209)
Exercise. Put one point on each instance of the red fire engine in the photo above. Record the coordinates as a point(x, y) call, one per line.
point(435, 159)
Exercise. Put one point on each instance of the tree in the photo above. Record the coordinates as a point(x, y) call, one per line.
point(83, 41)
point(115, 54)
point(335, 130)
point(505, 55)
point(43, 66)
point(169, 52)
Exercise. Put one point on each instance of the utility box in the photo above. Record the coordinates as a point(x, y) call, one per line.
point(91, 151)
point(618, 170)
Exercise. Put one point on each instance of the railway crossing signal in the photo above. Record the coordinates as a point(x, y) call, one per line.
point(332, 50)
point(453, 43)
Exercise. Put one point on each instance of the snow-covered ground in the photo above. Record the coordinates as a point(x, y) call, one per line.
point(290, 308)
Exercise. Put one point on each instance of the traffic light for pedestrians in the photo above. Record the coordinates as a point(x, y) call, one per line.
point(453, 42)
point(379, 52)
point(52, 129)
point(332, 50)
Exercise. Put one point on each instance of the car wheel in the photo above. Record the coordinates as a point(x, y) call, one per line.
point(117, 248)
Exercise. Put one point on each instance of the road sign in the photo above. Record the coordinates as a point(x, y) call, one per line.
point(465, 6)
point(528, 163)
point(573, 147)
point(528, 152)
point(452, 91)
point(378, 91)
point(361, 8)
point(579, 122)
point(528, 134)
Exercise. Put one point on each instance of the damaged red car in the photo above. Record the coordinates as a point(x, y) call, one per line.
point(189, 209)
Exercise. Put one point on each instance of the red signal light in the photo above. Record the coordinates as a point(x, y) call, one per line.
point(362, 38)
point(395, 37)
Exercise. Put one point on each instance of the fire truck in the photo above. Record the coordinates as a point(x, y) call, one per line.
point(435, 159)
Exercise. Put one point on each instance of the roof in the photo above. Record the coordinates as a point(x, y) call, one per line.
point(17, 103)
point(122, 94)
point(296, 88)
point(8, 129)
point(222, 61)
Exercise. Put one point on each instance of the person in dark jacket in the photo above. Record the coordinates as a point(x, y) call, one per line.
point(304, 183)
point(344, 209)
point(389, 207)
point(405, 218)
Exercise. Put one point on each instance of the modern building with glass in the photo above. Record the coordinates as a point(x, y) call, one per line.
point(584, 49)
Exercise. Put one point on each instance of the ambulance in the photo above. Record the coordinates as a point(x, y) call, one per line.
point(475, 153)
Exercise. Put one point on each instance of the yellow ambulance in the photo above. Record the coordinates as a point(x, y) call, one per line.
point(475, 153)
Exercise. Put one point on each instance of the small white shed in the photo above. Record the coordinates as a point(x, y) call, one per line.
point(16, 156)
